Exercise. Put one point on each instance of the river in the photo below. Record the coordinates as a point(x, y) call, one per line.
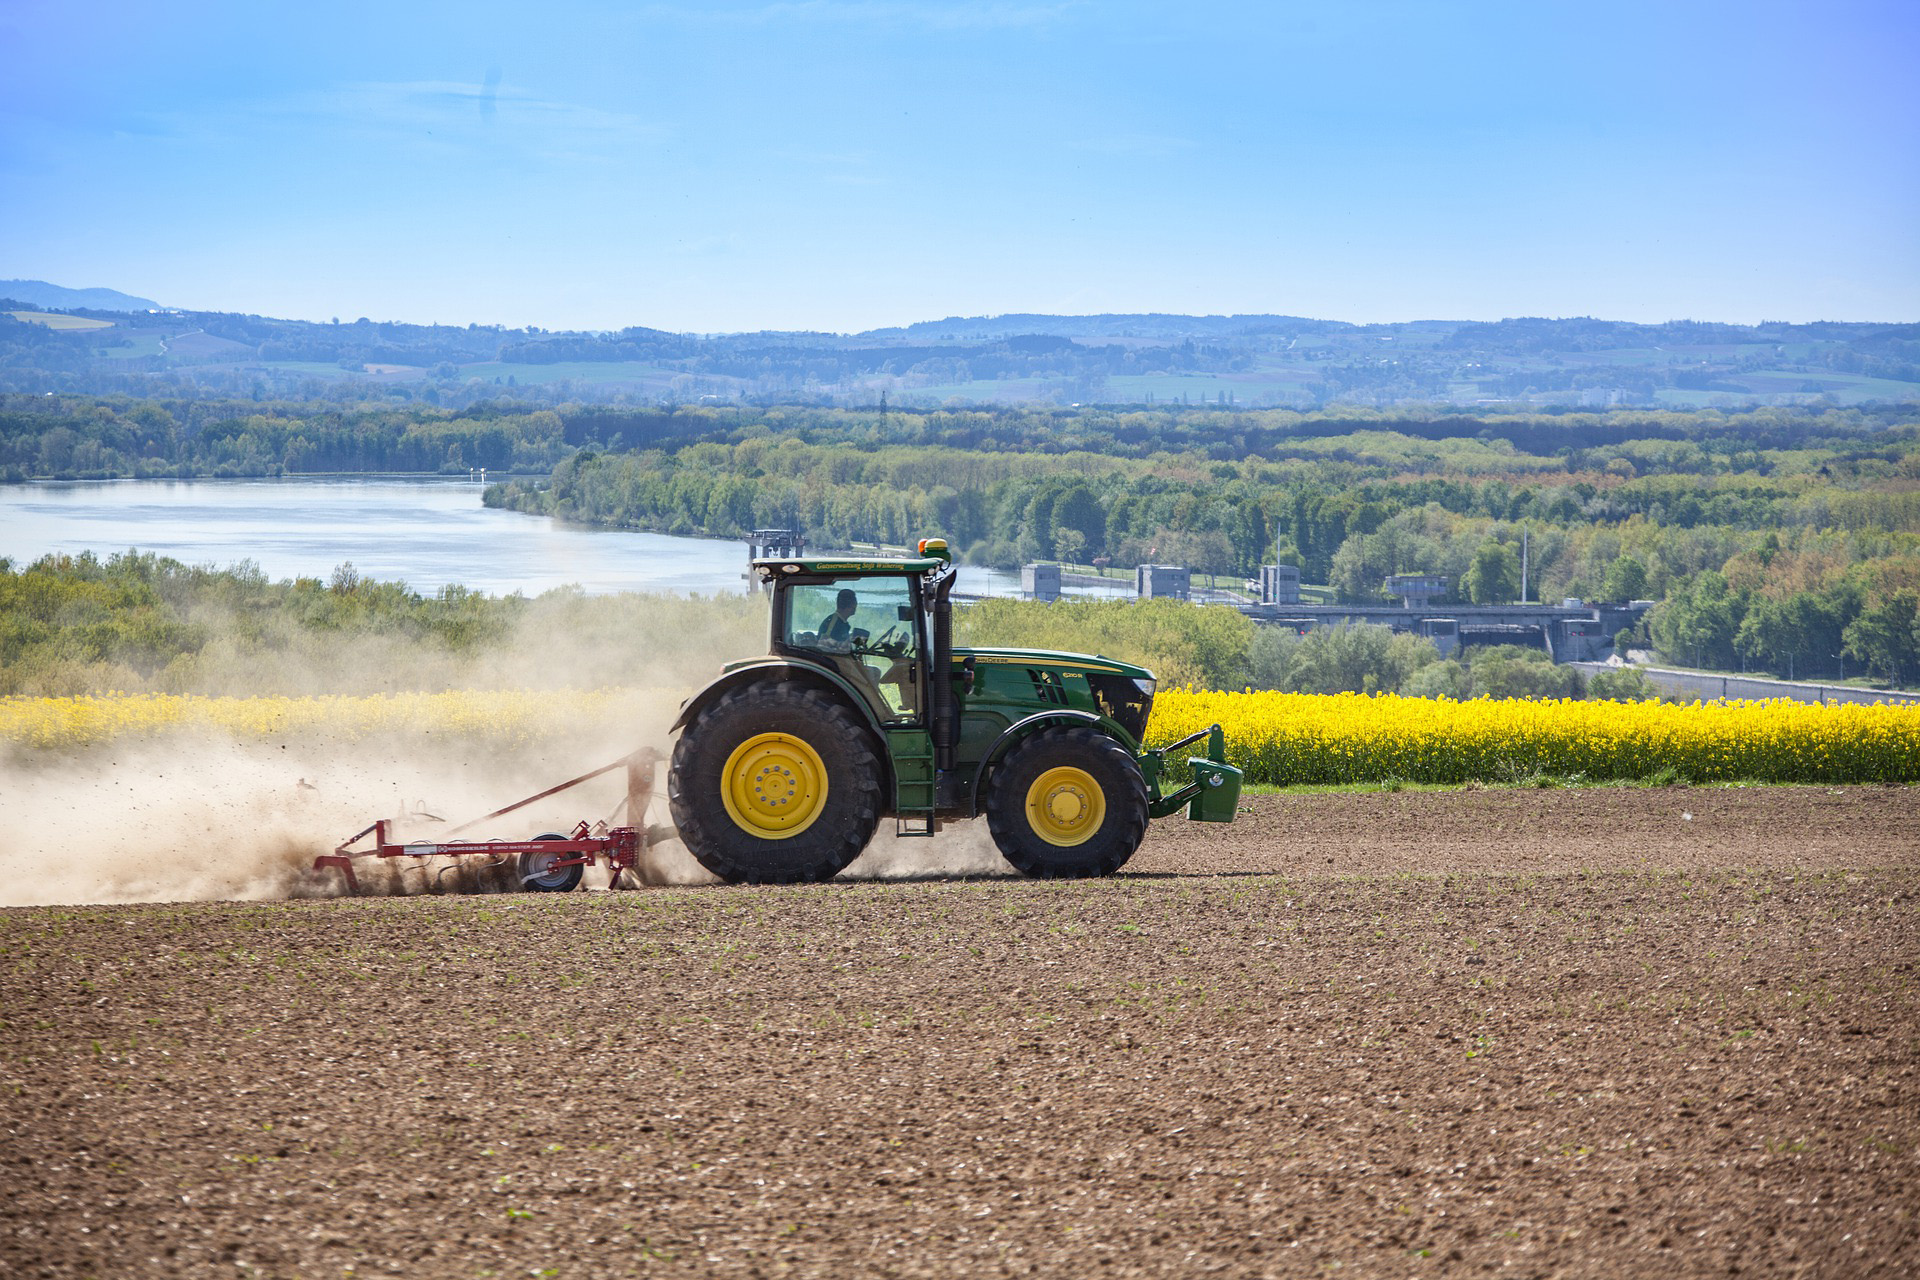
point(427, 533)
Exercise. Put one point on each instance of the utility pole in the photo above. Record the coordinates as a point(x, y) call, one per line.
point(1523, 566)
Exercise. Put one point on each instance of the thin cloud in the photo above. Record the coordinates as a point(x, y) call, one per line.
point(826, 159)
point(460, 108)
point(840, 168)
point(1150, 146)
point(489, 95)
point(437, 115)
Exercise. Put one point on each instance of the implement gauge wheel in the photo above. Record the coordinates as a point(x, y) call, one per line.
point(773, 784)
point(539, 875)
point(1068, 803)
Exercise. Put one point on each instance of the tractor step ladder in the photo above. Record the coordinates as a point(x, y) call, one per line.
point(913, 785)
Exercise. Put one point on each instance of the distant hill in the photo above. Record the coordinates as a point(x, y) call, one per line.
point(1141, 360)
point(42, 294)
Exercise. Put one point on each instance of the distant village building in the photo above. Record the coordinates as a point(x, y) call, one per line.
point(1279, 584)
point(1040, 581)
point(768, 544)
point(1417, 590)
point(765, 544)
point(1162, 582)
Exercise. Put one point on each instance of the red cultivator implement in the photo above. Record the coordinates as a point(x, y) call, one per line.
point(550, 863)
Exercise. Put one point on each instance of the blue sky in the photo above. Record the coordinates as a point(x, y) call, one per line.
point(844, 165)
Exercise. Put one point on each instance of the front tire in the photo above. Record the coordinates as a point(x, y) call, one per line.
point(775, 783)
point(1068, 803)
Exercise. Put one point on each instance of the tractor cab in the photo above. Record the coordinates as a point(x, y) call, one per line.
point(870, 621)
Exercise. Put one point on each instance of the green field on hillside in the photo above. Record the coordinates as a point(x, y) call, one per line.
point(54, 320)
point(313, 368)
point(140, 344)
point(984, 389)
point(593, 371)
point(1168, 388)
point(1205, 388)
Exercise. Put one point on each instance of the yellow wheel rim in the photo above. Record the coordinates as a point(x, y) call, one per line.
point(774, 786)
point(1065, 806)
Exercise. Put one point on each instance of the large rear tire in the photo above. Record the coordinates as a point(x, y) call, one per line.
point(1068, 803)
point(775, 783)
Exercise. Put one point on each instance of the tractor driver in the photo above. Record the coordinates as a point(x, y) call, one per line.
point(834, 628)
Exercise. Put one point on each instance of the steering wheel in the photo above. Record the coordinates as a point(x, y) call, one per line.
point(891, 642)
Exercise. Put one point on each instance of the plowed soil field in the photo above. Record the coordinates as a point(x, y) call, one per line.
point(1601, 1032)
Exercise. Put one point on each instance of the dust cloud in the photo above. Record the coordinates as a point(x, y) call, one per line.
point(204, 819)
point(196, 815)
point(961, 849)
point(193, 819)
point(560, 639)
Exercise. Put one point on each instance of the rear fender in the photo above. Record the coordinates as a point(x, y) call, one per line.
point(792, 669)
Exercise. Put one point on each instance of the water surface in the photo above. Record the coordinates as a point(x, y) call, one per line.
point(424, 532)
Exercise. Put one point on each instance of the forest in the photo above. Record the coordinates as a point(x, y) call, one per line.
point(1777, 540)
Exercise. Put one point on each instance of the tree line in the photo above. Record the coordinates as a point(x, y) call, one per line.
point(1784, 541)
point(132, 622)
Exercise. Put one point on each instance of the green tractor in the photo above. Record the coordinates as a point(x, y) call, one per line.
point(863, 709)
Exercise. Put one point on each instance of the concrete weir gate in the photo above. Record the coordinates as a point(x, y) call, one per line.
point(1570, 633)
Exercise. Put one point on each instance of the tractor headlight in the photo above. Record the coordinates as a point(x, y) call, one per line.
point(1127, 702)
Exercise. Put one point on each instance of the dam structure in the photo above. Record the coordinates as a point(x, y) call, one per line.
point(1570, 632)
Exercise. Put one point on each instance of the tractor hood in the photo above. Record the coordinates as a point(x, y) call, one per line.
point(1086, 662)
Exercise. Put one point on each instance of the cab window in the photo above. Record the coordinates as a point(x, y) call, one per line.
point(864, 628)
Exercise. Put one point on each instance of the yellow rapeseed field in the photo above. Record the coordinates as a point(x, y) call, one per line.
point(1294, 738)
point(509, 718)
point(1280, 738)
